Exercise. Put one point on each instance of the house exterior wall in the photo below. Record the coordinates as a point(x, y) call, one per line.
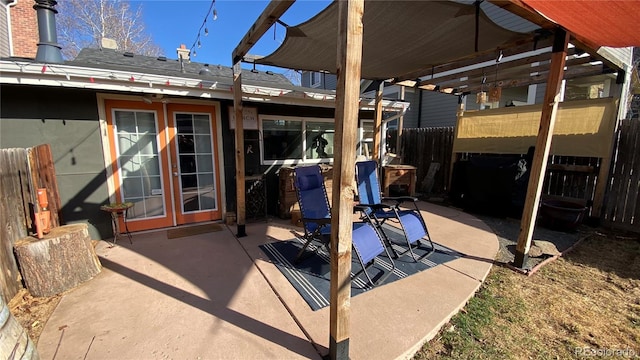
point(24, 29)
point(67, 119)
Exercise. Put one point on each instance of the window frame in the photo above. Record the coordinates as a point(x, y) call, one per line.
point(315, 79)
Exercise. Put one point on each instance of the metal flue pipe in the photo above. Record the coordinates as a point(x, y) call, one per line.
point(48, 48)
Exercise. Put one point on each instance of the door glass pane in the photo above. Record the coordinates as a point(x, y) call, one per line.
point(139, 163)
point(203, 144)
point(195, 156)
point(204, 163)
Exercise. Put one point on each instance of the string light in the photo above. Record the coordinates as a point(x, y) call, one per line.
point(204, 26)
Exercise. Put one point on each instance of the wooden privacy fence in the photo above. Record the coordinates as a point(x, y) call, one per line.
point(22, 172)
point(622, 210)
point(424, 147)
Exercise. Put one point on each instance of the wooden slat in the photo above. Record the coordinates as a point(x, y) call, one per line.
point(271, 13)
point(349, 59)
point(574, 168)
point(631, 179)
point(43, 175)
point(13, 179)
point(543, 145)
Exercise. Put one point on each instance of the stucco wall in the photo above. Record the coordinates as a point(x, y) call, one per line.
point(68, 121)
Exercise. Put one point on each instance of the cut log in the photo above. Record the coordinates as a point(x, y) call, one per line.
point(60, 261)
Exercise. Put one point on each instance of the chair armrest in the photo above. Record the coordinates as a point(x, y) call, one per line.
point(400, 199)
point(320, 221)
point(374, 207)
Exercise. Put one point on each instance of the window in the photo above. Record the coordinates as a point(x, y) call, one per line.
point(292, 140)
point(315, 79)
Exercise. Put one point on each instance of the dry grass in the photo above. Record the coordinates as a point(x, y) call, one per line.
point(588, 299)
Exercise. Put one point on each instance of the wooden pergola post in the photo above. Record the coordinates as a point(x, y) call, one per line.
point(240, 184)
point(349, 60)
point(377, 123)
point(271, 13)
point(543, 144)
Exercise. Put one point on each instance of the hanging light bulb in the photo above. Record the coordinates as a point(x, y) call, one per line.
point(206, 31)
point(215, 14)
point(195, 53)
point(199, 44)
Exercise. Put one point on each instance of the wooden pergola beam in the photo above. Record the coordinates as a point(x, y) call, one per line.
point(541, 78)
point(490, 69)
point(517, 77)
point(269, 15)
point(349, 60)
point(480, 57)
point(542, 147)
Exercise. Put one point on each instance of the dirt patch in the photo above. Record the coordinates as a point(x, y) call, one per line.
point(33, 312)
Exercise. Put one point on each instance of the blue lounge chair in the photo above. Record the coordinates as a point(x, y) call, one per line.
point(316, 219)
point(382, 209)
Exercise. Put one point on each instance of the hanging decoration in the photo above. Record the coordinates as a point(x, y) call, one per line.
point(481, 96)
point(496, 91)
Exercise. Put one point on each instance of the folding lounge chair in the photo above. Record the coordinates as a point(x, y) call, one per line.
point(381, 209)
point(316, 219)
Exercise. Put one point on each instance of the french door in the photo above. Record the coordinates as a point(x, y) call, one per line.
point(164, 162)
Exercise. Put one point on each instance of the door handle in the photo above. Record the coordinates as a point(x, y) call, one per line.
point(175, 173)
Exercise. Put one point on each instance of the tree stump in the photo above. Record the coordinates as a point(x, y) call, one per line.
point(60, 261)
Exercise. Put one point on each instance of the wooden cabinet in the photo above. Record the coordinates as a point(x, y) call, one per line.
point(402, 177)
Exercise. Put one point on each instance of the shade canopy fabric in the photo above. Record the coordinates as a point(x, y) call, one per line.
point(400, 37)
point(613, 23)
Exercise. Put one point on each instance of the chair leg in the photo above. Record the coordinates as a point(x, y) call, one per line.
point(366, 273)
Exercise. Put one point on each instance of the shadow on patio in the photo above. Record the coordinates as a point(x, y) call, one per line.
point(215, 296)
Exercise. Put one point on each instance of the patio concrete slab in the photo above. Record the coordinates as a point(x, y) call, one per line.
point(197, 297)
point(213, 296)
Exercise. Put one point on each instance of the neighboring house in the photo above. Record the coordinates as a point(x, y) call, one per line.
point(158, 132)
point(435, 109)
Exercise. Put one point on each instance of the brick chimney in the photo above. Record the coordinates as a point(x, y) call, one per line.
point(183, 52)
point(24, 29)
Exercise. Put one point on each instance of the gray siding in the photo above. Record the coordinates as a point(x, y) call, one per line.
point(540, 89)
point(438, 109)
point(68, 121)
point(410, 119)
point(327, 81)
